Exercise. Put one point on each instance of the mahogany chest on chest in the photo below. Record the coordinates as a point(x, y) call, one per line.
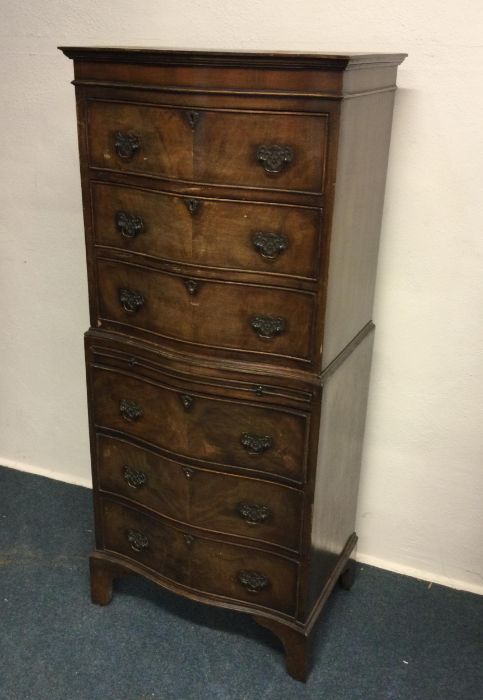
point(232, 207)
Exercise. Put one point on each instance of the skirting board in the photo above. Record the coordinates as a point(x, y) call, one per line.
point(360, 557)
point(49, 473)
point(420, 574)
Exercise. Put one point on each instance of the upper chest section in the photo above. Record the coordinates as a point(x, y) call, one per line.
point(258, 121)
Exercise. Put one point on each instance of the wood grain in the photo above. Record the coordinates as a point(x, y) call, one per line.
point(344, 400)
point(199, 497)
point(356, 221)
point(191, 412)
point(199, 563)
point(220, 235)
point(221, 148)
point(217, 315)
point(210, 430)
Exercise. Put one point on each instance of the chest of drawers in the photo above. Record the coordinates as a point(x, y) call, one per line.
point(232, 207)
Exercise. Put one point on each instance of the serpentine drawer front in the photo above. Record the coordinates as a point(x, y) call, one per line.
point(200, 426)
point(232, 209)
point(244, 575)
point(225, 147)
point(209, 312)
point(273, 239)
point(205, 498)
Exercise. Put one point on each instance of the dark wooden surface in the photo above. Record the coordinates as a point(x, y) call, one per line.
point(354, 220)
point(335, 75)
point(343, 410)
point(297, 645)
point(218, 314)
point(320, 60)
point(221, 148)
point(196, 561)
point(226, 464)
point(219, 236)
point(210, 430)
point(264, 384)
point(204, 497)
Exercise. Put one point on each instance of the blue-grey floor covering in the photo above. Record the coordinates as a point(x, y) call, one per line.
point(391, 637)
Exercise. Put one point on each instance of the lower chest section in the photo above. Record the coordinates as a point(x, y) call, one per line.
point(200, 479)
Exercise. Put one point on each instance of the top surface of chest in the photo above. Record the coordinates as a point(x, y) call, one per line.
point(275, 72)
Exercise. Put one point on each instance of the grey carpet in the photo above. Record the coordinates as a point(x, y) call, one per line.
point(391, 637)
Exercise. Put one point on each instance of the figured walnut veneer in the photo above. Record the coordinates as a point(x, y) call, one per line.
point(232, 208)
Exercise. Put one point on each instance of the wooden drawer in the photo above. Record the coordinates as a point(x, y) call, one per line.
point(219, 502)
point(152, 362)
point(212, 313)
point(227, 235)
point(203, 427)
point(266, 150)
point(201, 564)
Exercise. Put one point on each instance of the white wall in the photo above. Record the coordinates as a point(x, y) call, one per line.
point(421, 492)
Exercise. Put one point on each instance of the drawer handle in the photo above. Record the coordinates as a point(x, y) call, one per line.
point(256, 444)
point(192, 205)
point(269, 245)
point(254, 513)
point(268, 326)
point(137, 541)
point(135, 479)
point(186, 400)
point(192, 117)
point(129, 225)
point(126, 145)
point(130, 300)
point(188, 472)
point(253, 581)
point(274, 158)
point(189, 539)
point(192, 286)
point(130, 410)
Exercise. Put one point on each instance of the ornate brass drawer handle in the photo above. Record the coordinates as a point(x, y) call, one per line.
point(126, 145)
point(130, 410)
point(254, 513)
point(269, 245)
point(134, 478)
point(253, 581)
point(137, 540)
point(268, 326)
point(256, 444)
point(274, 158)
point(130, 300)
point(129, 225)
